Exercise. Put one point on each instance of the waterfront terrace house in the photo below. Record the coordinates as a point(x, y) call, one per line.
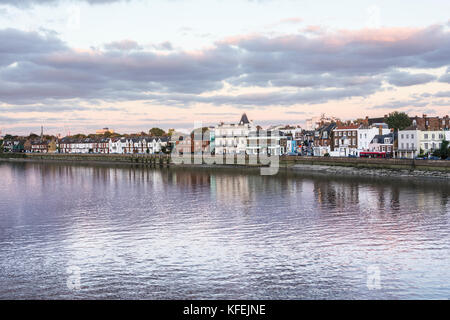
point(65, 145)
point(135, 145)
point(232, 138)
point(8, 145)
point(412, 140)
point(13, 145)
point(117, 145)
point(323, 136)
point(138, 145)
point(101, 145)
point(267, 142)
point(193, 144)
point(346, 140)
point(366, 134)
point(39, 146)
point(73, 145)
point(383, 143)
point(156, 144)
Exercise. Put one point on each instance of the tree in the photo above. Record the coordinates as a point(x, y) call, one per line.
point(398, 120)
point(444, 151)
point(157, 132)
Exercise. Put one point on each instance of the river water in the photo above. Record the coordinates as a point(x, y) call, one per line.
point(98, 232)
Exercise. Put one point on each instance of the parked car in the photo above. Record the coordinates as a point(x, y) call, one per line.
point(434, 158)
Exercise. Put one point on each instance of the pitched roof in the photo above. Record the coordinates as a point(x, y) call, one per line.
point(350, 127)
point(244, 119)
point(380, 138)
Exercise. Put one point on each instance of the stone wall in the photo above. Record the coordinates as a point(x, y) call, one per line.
point(284, 162)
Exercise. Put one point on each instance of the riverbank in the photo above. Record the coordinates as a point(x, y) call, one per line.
point(402, 168)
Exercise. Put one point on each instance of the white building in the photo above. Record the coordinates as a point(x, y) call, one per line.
point(232, 138)
point(366, 134)
point(139, 145)
point(272, 143)
point(117, 145)
point(412, 141)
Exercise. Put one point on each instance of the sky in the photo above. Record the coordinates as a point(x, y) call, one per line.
point(130, 65)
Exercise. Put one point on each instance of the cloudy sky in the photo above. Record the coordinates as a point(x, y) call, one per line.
point(79, 65)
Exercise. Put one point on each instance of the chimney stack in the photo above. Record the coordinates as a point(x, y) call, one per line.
point(380, 130)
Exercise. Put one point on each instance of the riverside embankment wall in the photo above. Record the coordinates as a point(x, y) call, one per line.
point(284, 161)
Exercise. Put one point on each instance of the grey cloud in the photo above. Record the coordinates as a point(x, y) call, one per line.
point(401, 104)
point(442, 94)
point(404, 79)
point(320, 68)
point(17, 45)
point(279, 98)
point(446, 77)
point(45, 108)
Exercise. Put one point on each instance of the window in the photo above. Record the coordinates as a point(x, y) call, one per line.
point(407, 136)
point(402, 145)
point(402, 136)
point(412, 136)
point(426, 145)
point(407, 145)
point(425, 136)
point(432, 136)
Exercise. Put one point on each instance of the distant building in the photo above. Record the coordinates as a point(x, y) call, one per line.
point(232, 138)
point(421, 123)
point(346, 140)
point(104, 130)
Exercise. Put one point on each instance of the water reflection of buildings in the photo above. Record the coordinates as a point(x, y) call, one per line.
point(240, 186)
point(333, 194)
point(378, 196)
